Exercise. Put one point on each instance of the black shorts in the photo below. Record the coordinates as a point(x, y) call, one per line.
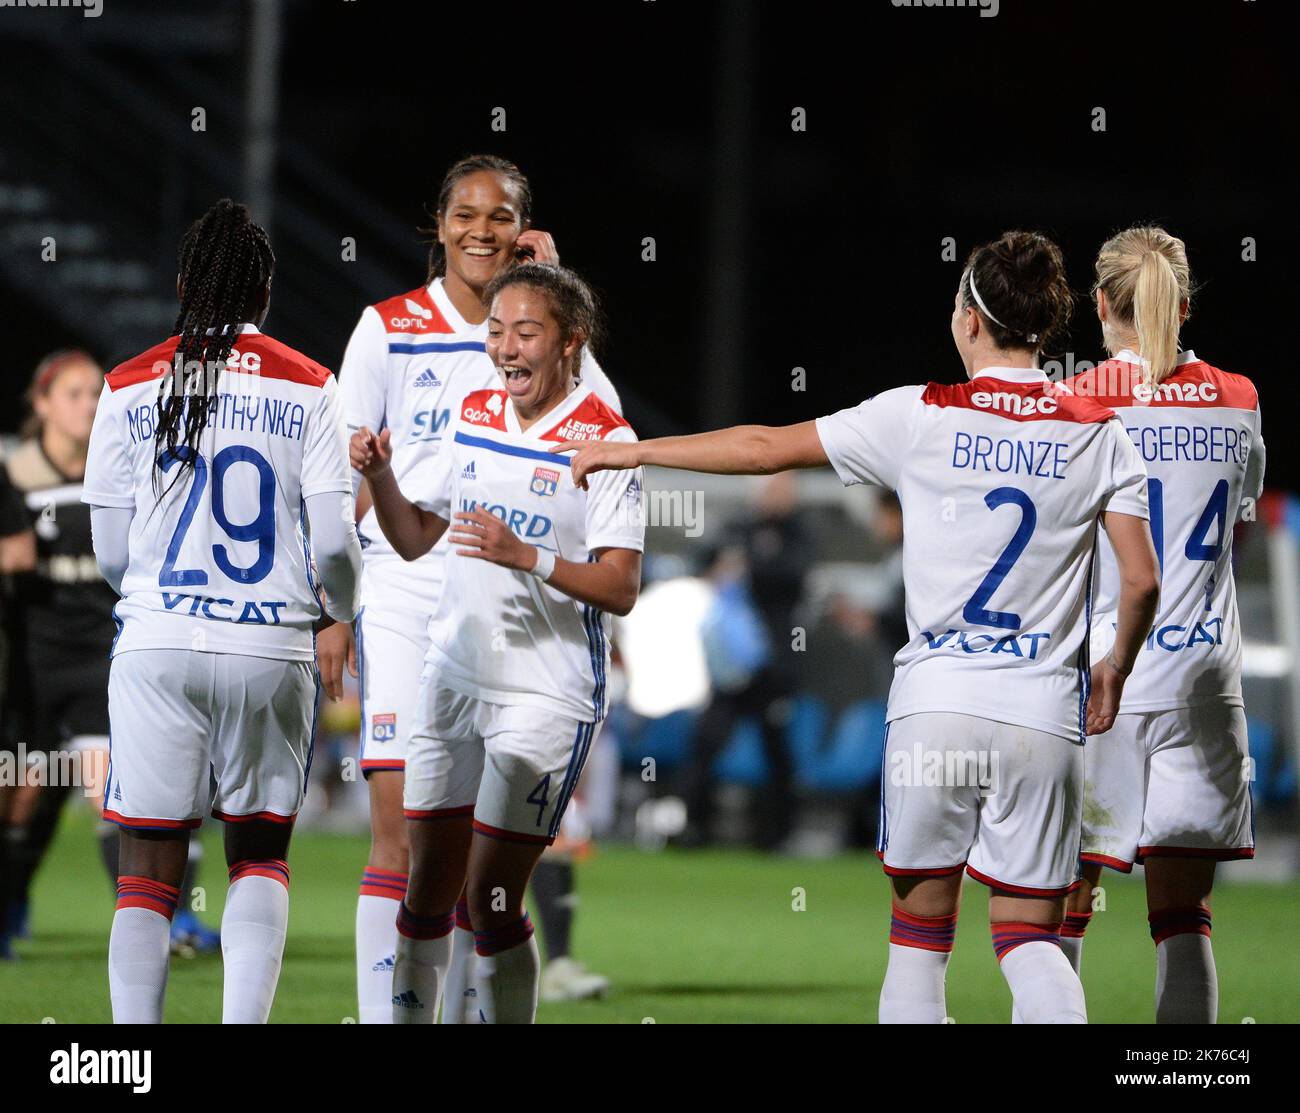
point(57, 704)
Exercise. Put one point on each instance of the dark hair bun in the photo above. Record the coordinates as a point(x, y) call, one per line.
point(1021, 279)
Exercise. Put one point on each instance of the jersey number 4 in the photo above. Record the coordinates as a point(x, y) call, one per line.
point(261, 529)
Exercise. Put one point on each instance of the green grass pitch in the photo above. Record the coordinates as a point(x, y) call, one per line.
point(686, 937)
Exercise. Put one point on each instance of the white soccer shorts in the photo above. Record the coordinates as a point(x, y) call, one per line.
point(1001, 801)
point(181, 719)
point(1173, 784)
point(391, 646)
point(513, 769)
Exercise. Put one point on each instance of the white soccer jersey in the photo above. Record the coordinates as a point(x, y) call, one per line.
point(409, 363)
point(500, 635)
point(1199, 435)
point(1001, 480)
point(221, 564)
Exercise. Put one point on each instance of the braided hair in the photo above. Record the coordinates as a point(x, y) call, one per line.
point(226, 262)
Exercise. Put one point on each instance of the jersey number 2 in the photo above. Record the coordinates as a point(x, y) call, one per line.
point(976, 612)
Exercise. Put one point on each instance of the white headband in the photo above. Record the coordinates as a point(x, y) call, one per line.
point(1031, 337)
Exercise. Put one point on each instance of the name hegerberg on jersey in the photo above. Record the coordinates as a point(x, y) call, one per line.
point(988, 473)
point(227, 547)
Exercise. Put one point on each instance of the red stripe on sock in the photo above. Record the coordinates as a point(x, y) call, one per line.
point(277, 869)
point(422, 927)
point(926, 933)
point(143, 892)
point(1076, 923)
point(383, 883)
point(1179, 921)
point(502, 939)
point(1010, 934)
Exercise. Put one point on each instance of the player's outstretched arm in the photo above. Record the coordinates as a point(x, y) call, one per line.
point(740, 450)
point(1139, 593)
point(410, 529)
point(610, 583)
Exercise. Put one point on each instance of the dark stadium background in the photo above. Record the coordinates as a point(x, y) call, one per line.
point(636, 118)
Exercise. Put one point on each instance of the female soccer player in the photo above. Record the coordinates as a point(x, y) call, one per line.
point(215, 456)
point(410, 361)
point(1002, 480)
point(1169, 784)
point(513, 690)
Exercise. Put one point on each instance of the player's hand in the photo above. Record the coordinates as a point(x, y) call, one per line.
point(487, 537)
point(593, 456)
point(1103, 700)
point(335, 647)
point(370, 454)
point(535, 246)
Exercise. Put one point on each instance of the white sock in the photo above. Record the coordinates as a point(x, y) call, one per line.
point(460, 1001)
point(420, 967)
point(138, 952)
point(913, 990)
point(509, 967)
point(1187, 984)
point(253, 929)
point(381, 896)
point(1044, 987)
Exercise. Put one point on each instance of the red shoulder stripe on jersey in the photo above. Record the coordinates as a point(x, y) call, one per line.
point(1119, 384)
point(413, 311)
point(152, 364)
point(591, 420)
point(279, 361)
point(486, 408)
point(1017, 401)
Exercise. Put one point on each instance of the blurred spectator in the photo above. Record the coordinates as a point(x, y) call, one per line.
point(750, 645)
point(17, 554)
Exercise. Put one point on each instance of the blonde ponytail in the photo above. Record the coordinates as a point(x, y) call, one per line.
point(1156, 300)
point(1144, 274)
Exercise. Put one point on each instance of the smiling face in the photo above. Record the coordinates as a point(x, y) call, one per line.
point(525, 343)
point(68, 407)
point(479, 227)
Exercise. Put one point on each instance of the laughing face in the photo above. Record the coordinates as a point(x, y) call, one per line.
point(479, 227)
point(525, 343)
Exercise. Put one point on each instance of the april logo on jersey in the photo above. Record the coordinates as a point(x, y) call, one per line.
point(494, 404)
point(468, 471)
point(545, 481)
point(427, 378)
point(383, 727)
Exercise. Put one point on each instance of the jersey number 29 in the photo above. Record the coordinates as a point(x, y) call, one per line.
point(261, 529)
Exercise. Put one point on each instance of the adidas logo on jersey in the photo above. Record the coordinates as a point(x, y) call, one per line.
point(384, 965)
point(468, 472)
point(407, 1000)
point(427, 378)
